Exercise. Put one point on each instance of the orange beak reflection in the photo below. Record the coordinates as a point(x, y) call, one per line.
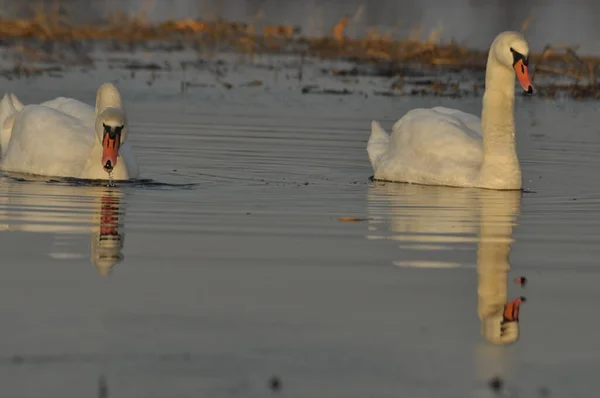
point(511, 310)
point(523, 76)
point(110, 151)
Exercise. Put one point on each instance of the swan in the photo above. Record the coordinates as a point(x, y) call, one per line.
point(442, 146)
point(64, 137)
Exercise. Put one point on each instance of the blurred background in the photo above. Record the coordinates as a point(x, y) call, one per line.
point(473, 23)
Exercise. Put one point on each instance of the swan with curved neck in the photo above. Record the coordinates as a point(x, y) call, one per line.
point(67, 138)
point(442, 146)
point(110, 125)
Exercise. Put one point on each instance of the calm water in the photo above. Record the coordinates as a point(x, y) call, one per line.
point(235, 267)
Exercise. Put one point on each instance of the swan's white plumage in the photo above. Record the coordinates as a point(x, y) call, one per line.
point(443, 146)
point(419, 152)
point(9, 106)
point(57, 138)
point(33, 151)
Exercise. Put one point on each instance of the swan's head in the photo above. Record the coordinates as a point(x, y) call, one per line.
point(111, 124)
point(111, 131)
point(512, 50)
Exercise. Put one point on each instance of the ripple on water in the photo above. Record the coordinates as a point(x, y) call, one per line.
point(233, 240)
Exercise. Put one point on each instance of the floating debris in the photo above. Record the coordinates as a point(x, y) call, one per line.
point(102, 387)
point(496, 384)
point(314, 90)
point(274, 383)
point(544, 392)
point(143, 66)
point(253, 83)
point(351, 219)
point(521, 281)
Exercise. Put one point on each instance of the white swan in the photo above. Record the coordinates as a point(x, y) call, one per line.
point(442, 146)
point(67, 138)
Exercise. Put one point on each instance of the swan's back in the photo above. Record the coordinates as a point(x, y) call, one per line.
point(439, 145)
point(439, 132)
point(46, 141)
point(472, 122)
point(74, 108)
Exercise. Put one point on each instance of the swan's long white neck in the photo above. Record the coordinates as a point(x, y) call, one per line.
point(108, 101)
point(107, 97)
point(500, 168)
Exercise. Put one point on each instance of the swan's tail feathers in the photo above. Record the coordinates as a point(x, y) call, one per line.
point(17, 104)
point(9, 106)
point(6, 108)
point(377, 145)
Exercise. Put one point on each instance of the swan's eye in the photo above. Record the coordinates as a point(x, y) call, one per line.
point(113, 132)
point(517, 56)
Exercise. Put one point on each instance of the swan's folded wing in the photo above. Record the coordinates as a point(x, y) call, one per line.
point(74, 108)
point(443, 136)
point(432, 147)
point(45, 141)
point(472, 122)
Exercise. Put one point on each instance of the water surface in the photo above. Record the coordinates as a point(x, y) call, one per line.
point(233, 266)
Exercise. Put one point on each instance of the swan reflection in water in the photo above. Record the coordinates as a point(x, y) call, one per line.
point(438, 223)
point(107, 241)
point(67, 211)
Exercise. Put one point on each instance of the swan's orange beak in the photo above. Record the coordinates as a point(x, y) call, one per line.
point(110, 151)
point(523, 76)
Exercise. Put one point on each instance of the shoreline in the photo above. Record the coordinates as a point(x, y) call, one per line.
point(48, 44)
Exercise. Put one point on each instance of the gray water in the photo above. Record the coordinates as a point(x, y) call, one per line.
point(473, 23)
point(232, 265)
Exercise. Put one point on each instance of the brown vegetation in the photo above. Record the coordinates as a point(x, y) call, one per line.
point(49, 26)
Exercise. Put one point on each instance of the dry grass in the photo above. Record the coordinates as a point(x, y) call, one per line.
point(49, 25)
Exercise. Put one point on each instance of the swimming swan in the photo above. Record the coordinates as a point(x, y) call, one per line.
point(442, 146)
point(67, 138)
